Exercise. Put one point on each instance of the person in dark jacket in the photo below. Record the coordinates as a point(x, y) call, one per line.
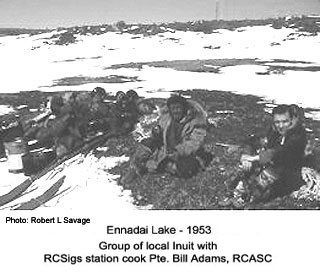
point(127, 110)
point(273, 168)
point(99, 111)
point(61, 127)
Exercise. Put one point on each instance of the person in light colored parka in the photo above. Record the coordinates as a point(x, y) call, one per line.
point(176, 143)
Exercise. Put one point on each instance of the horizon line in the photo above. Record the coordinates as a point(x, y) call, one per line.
point(159, 23)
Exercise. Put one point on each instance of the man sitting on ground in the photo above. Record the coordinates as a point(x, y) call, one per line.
point(100, 119)
point(128, 109)
point(274, 168)
point(61, 127)
point(176, 143)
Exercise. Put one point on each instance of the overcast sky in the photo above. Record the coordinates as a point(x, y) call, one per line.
point(55, 13)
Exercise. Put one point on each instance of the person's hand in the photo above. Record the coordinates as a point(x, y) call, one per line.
point(246, 165)
point(246, 158)
point(151, 166)
point(246, 161)
point(249, 158)
point(171, 168)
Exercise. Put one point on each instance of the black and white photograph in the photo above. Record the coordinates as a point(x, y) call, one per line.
point(174, 107)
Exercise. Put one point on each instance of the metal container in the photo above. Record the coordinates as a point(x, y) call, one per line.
point(15, 150)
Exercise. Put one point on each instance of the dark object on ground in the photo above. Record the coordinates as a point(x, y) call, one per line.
point(187, 166)
point(16, 192)
point(42, 199)
point(35, 161)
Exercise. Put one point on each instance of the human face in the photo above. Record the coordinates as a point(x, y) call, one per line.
point(176, 111)
point(282, 122)
point(145, 108)
point(61, 150)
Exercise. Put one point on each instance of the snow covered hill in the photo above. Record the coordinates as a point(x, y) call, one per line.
point(284, 61)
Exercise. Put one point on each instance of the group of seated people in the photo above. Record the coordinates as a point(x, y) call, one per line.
point(71, 120)
point(270, 165)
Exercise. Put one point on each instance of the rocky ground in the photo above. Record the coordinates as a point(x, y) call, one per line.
point(307, 25)
point(231, 119)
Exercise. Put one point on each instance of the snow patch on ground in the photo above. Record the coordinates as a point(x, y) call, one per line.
point(5, 109)
point(88, 186)
point(52, 62)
